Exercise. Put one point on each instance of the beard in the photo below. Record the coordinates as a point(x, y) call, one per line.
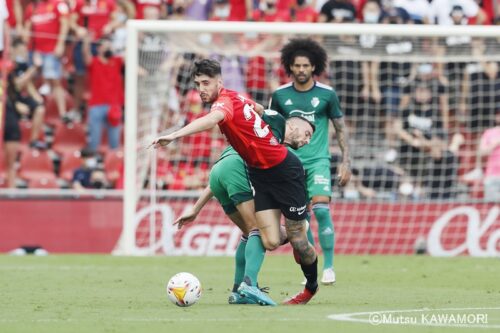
point(302, 78)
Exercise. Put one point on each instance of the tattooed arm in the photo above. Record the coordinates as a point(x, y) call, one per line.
point(344, 168)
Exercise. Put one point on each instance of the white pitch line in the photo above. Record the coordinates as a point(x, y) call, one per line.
point(349, 317)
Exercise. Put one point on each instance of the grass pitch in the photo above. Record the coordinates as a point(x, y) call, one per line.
point(122, 294)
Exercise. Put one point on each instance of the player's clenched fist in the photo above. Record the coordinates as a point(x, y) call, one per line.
point(162, 141)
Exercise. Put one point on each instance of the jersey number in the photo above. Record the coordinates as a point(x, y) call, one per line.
point(248, 111)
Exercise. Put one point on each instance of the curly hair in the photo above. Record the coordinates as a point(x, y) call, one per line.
point(304, 47)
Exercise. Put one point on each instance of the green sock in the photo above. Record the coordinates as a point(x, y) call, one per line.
point(239, 261)
point(326, 232)
point(254, 255)
point(310, 236)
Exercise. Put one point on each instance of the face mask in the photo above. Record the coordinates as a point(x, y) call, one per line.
point(222, 12)
point(121, 17)
point(97, 184)
point(20, 59)
point(91, 163)
point(371, 17)
point(108, 54)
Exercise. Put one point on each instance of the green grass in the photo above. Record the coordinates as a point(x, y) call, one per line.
point(121, 294)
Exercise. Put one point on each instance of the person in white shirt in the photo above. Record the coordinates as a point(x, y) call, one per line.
point(440, 11)
point(418, 9)
point(4, 15)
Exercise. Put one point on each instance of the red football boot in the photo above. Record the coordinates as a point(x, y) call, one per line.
point(301, 298)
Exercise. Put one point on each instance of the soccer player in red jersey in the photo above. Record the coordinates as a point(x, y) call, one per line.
point(276, 174)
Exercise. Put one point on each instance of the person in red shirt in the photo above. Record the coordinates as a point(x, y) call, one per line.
point(304, 12)
point(106, 93)
point(15, 10)
point(276, 174)
point(241, 10)
point(94, 18)
point(150, 9)
point(269, 12)
point(48, 24)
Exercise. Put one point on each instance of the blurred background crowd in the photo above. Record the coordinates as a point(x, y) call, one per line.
point(436, 124)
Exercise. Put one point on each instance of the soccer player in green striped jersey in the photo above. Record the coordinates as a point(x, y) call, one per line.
point(317, 102)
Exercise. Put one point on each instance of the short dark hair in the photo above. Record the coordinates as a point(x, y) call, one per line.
point(304, 47)
point(208, 67)
point(306, 120)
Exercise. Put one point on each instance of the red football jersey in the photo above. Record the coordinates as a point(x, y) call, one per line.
point(140, 5)
point(94, 15)
point(44, 17)
point(245, 130)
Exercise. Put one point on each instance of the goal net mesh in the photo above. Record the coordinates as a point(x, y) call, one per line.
point(415, 108)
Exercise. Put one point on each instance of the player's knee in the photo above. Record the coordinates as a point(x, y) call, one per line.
point(271, 244)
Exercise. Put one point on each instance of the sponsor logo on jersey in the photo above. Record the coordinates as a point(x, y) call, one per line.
point(289, 102)
point(315, 101)
point(218, 105)
point(273, 141)
point(308, 115)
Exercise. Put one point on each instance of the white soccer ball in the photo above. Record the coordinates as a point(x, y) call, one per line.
point(184, 289)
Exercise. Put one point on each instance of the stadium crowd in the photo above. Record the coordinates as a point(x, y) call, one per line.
point(64, 97)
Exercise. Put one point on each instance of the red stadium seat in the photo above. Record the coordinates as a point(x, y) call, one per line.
point(69, 163)
point(26, 127)
point(113, 162)
point(43, 183)
point(52, 116)
point(36, 164)
point(69, 138)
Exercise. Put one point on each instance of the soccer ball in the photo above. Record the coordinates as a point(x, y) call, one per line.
point(184, 289)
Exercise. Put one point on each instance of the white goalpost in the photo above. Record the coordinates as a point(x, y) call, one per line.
point(435, 81)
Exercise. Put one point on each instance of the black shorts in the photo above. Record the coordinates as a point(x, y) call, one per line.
point(12, 132)
point(30, 102)
point(281, 187)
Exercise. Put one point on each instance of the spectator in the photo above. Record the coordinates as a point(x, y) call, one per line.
point(88, 175)
point(178, 11)
point(23, 90)
point(424, 151)
point(11, 137)
point(125, 10)
point(15, 11)
point(480, 91)
point(427, 90)
point(304, 12)
point(268, 12)
point(93, 18)
point(221, 10)
point(106, 93)
point(198, 10)
point(490, 146)
point(372, 12)
point(418, 10)
point(4, 15)
point(440, 11)
point(337, 11)
point(240, 10)
point(48, 22)
point(150, 9)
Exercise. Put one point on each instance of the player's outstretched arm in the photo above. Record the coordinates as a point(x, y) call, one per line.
point(199, 125)
point(344, 168)
point(190, 215)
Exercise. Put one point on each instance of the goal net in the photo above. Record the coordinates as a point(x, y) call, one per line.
point(416, 101)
